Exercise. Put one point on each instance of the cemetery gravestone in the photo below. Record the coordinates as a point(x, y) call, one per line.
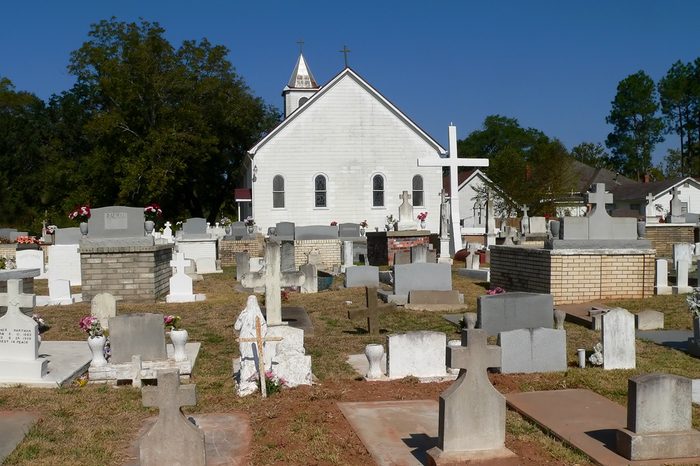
point(310, 272)
point(418, 354)
point(409, 277)
point(472, 417)
point(538, 226)
point(682, 278)
point(363, 275)
point(64, 236)
point(662, 277)
point(683, 252)
point(31, 259)
point(348, 259)
point(173, 439)
point(104, 307)
point(288, 360)
point(511, 311)
point(137, 334)
point(659, 419)
point(402, 257)
point(284, 231)
point(116, 222)
point(406, 221)
point(195, 228)
point(649, 320)
point(349, 230)
point(287, 263)
point(618, 340)
point(242, 265)
point(238, 231)
point(532, 350)
point(419, 254)
point(180, 283)
point(59, 292)
point(316, 232)
point(676, 208)
point(371, 312)
point(19, 345)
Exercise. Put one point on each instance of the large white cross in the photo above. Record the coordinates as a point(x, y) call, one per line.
point(15, 299)
point(454, 162)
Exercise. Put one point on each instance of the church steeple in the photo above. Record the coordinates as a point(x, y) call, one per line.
point(300, 87)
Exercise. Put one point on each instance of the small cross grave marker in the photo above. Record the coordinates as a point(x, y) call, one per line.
point(371, 312)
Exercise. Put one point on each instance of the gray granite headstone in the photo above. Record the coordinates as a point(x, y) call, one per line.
point(349, 230)
point(242, 264)
point(195, 227)
point(284, 231)
point(67, 236)
point(419, 254)
point(649, 320)
point(409, 277)
point(238, 230)
point(116, 222)
point(137, 334)
point(402, 257)
point(511, 311)
point(362, 275)
point(287, 258)
point(532, 350)
point(316, 232)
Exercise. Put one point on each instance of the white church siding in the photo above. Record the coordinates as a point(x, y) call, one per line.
point(348, 134)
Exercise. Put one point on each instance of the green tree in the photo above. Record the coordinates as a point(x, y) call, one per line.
point(22, 130)
point(678, 105)
point(636, 128)
point(526, 165)
point(160, 124)
point(592, 154)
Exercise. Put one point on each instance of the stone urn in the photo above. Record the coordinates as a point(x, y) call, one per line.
point(84, 228)
point(179, 340)
point(422, 225)
point(554, 226)
point(374, 353)
point(149, 225)
point(97, 347)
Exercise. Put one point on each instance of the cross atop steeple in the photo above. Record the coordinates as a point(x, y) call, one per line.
point(345, 52)
point(301, 45)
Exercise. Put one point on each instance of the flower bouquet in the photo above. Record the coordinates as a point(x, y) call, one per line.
point(152, 212)
point(80, 214)
point(422, 216)
point(172, 322)
point(91, 326)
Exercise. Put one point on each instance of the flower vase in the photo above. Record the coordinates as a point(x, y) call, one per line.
point(149, 225)
point(97, 347)
point(362, 231)
point(251, 229)
point(179, 339)
point(83, 228)
point(422, 225)
point(374, 353)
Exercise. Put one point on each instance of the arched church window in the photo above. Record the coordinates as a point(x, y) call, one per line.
point(303, 100)
point(320, 191)
point(417, 190)
point(378, 191)
point(278, 192)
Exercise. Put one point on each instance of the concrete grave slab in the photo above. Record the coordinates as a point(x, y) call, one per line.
point(395, 432)
point(67, 361)
point(580, 313)
point(14, 425)
point(583, 419)
point(422, 300)
point(361, 365)
point(511, 311)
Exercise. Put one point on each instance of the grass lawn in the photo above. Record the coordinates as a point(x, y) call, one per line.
point(95, 424)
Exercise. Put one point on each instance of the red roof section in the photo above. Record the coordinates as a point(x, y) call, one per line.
point(461, 176)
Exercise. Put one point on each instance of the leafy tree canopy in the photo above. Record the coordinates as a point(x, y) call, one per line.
point(529, 167)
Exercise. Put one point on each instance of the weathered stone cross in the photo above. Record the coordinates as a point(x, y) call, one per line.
point(272, 279)
point(472, 411)
point(185, 442)
point(598, 199)
point(404, 196)
point(179, 263)
point(259, 341)
point(15, 299)
point(371, 312)
point(454, 162)
point(524, 208)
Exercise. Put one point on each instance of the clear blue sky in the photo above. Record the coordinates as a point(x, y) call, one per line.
point(553, 65)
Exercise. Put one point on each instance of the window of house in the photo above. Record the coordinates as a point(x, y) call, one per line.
point(278, 192)
point(378, 191)
point(320, 191)
point(417, 191)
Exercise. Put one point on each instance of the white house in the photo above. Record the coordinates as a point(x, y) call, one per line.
point(343, 153)
point(632, 197)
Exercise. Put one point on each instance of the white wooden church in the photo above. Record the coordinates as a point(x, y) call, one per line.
point(343, 153)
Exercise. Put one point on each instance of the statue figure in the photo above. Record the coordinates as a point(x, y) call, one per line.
point(245, 325)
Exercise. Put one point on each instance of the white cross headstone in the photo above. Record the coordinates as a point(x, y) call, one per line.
point(650, 211)
point(167, 231)
point(524, 223)
point(180, 282)
point(19, 345)
point(454, 162)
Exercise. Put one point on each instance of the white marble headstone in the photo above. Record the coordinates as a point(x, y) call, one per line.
point(619, 350)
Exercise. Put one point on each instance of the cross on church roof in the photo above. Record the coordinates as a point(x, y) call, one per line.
point(477, 356)
point(169, 396)
point(301, 45)
point(345, 52)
